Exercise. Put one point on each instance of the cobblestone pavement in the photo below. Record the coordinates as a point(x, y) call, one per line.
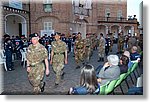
point(16, 82)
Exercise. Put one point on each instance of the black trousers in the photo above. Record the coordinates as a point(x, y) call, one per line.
point(9, 60)
point(106, 50)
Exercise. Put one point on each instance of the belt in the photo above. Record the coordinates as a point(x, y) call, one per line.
point(79, 48)
point(58, 53)
point(34, 64)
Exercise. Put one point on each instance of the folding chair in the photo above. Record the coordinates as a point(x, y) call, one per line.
point(110, 87)
point(120, 80)
point(23, 56)
point(3, 59)
point(102, 89)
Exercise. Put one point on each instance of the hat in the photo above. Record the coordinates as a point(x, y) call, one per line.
point(79, 33)
point(56, 33)
point(33, 35)
point(127, 53)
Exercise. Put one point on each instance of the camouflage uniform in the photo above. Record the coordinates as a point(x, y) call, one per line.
point(131, 42)
point(79, 51)
point(58, 58)
point(36, 56)
point(87, 49)
point(101, 50)
point(120, 43)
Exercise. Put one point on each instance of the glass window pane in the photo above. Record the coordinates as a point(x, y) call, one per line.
point(48, 7)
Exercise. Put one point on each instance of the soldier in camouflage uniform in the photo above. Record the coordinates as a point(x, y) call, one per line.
point(120, 43)
point(87, 48)
point(58, 57)
point(36, 57)
point(79, 50)
point(101, 50)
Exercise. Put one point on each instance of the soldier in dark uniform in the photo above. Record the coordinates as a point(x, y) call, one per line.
point(18, 46)
point(107, 45)
point(51, 39)
point(8, 52)
point(112, 41)
point(69, 43)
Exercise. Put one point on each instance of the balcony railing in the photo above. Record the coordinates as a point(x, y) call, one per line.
point(116, 19)
point(81, 11)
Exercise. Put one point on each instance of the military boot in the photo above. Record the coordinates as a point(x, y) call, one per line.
point(78, 67)
point(36, 90)
point(57, 80)
point(42, 86)
point(99, 59)
point(62, 75)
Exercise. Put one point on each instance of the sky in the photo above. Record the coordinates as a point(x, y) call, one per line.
point(133, 8)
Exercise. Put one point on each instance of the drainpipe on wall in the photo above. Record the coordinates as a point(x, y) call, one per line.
point(29, 21)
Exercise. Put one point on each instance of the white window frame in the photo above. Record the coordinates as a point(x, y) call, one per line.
point(47, 25)
point(107, 10)
point(119, 14)
point(47, 1)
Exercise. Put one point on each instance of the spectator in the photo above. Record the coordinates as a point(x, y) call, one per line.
point(124, 60)
point(127, 53)
point(88, 82)
point(135, 56)
point(110, 71)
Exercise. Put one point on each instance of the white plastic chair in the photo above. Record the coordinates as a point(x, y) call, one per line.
point(23, 55)
point(49, 52)
point(3, 59)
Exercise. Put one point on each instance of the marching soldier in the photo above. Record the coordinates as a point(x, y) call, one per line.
point(129, 43)
point(36, 57)
point(79, 50)
point(120, 43)
point(101, 50)
point(87, 49)
point(58, 57)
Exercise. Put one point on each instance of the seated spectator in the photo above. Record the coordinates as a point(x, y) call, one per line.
point(124, 60)
point(88, 82)
point(110, 70)
point(134, 56)
point(127, 53)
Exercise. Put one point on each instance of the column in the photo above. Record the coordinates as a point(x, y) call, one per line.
point(132, 30)
point(119, 29)
point(107, 29)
